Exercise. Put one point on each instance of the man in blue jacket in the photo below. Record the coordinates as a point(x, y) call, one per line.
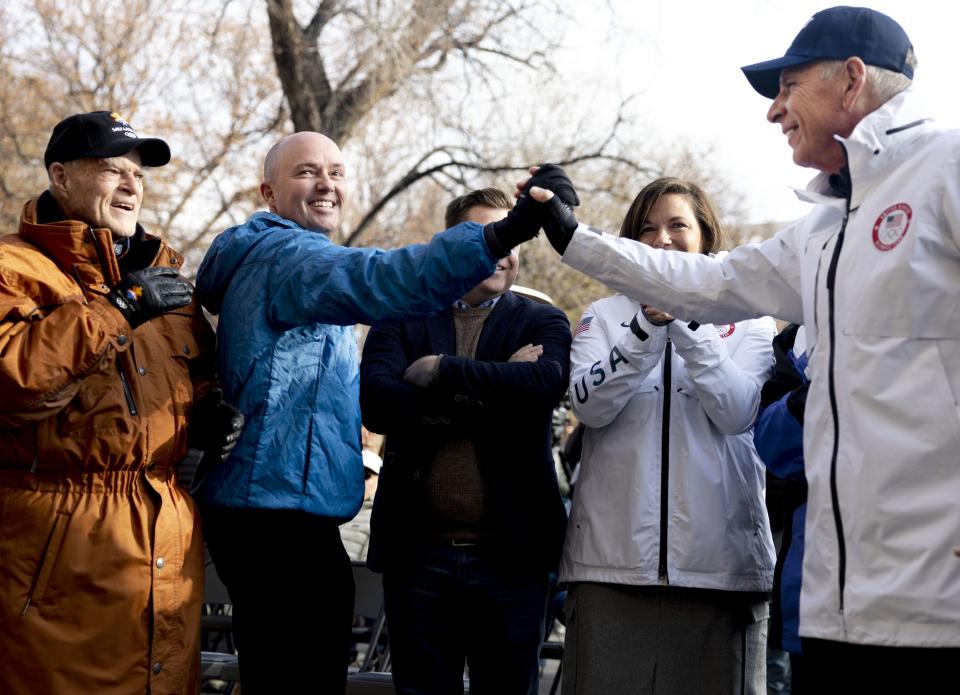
point(288, 298)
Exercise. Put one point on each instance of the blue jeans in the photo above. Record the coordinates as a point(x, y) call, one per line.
point(453, 605)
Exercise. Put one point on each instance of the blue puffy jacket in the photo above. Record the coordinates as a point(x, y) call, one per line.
point(288, 300)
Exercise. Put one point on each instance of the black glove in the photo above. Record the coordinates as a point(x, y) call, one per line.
point(521, 224)
point(556, 215)
point(148, 293)
point(215, 425)
point(526, 218)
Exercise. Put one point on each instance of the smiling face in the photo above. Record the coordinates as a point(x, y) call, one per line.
point(671, 225)
point(810, 111)
point(305, 181)
point(507, 267)
point(104, 193)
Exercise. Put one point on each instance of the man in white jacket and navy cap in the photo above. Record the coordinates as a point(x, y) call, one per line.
point(873, 272)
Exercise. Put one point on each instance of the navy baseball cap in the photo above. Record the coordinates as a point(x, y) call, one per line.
point(101, 134)
point(838, 33)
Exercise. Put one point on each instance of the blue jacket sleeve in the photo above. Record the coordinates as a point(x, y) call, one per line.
point(316, 281)
point(779, 439)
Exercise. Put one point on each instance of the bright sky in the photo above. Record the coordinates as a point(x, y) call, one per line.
point(685, 60)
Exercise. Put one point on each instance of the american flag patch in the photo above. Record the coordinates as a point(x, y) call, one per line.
point(583, 326)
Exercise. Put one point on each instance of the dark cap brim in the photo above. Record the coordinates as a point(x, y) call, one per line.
point(154, 152)
point(765, 77)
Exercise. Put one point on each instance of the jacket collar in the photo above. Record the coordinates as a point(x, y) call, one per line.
point(263, 220)
point(79, 250)
point(878, 144)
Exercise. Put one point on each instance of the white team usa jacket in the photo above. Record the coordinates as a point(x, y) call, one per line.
point(875, 278)
point(670, 489)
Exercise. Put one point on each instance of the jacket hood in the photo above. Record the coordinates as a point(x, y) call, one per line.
point(227, 253)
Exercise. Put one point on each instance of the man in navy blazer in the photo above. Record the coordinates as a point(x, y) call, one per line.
point(468, 520)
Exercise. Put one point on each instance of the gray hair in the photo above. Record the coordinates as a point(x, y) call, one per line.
point(884, 84)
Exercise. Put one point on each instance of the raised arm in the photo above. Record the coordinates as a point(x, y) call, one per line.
point(751, 281)
point(319, 282)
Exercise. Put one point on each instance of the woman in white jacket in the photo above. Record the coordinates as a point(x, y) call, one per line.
point(668, 555)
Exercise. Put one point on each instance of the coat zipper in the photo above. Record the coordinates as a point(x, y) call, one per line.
point(831, 383)
point(127, 391)
point(665, 460)
point(76, 276)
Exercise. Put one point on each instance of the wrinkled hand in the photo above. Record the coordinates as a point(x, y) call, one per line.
point(148, 293)
point(552, 189)
point(423, 371)
point(528, 353)
point(655, 316)
point(215, 425)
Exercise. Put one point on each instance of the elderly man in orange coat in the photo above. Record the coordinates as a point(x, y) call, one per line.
point(104, 360)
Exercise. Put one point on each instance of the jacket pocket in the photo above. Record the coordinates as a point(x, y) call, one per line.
point(183, 350)
point(182, 342)
point(950, 360)
point(48, 559)
point(949, 353)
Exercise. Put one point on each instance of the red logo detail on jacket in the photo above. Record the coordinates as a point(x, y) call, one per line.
point(892, 226)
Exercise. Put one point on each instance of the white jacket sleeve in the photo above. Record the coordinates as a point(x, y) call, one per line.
point(605, 369)
point(728, 385)
point(751, 281)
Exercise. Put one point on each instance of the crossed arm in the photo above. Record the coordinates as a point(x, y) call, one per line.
point(399, 388)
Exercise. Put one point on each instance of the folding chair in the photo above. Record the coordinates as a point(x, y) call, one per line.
point(216, 626)
point(368, 605)
point(553, 650)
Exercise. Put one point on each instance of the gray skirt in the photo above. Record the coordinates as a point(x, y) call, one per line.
point(661, 640)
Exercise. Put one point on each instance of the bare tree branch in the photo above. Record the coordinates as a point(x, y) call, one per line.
point(301, 68)
point(415, 174)
point(327, 10)
point(476, 163)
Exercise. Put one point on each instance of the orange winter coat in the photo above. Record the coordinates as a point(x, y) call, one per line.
point(101, 558)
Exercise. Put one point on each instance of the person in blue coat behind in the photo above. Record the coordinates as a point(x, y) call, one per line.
point(288, 298)
point(778, 436)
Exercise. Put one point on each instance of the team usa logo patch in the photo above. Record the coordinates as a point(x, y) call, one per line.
point(892, 226)
point(726, 331)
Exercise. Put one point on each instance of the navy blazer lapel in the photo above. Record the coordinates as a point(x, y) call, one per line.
point(443, 340)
